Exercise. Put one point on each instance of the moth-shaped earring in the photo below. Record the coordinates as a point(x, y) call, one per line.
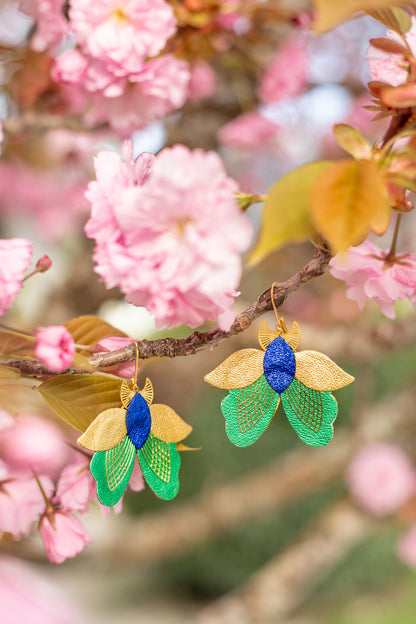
point(259, 380)
point(138, 427)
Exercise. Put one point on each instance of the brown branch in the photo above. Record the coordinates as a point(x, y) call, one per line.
point(173, 347)
point(43, 122)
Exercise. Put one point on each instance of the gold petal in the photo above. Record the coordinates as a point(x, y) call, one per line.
point(167, 425)
point(126, 394)
point(106, 431)
point(317, 371)
point(241, 369)
point(292, 337)
point(266, 336)
point(147, 391)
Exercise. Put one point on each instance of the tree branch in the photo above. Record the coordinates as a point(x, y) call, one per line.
point(173, 347)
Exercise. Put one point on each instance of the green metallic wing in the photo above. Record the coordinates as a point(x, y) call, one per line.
point(160, 462)
point(248, 411)
point(310, 412)
point(112, 470)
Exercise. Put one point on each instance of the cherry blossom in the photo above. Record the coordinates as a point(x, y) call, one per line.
point(202, 81)
point(21, 501)
point(63, 535)
point(75, 487)
point(381, 478)
point(122, 34)
point(368, 274)
point(188, 268)
point(159, 87)
point(286, 75)
point(51, 24)
point(15, 255)
point(27, 596)
point(390, 67)
point(33, 443)
point(70, 67)
point(249, 131)
point(54, 347)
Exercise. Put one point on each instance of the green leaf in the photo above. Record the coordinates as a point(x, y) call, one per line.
point(348, 200)
point(352, 141)
point(286, 212)
point(89, 329)
point(160, 463)
point(393, 18)
point(310, 412)
point(112, 471)
point(248, 412)
point(78, 399)
point(14, 344)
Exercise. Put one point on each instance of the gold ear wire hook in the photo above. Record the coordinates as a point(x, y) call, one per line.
point(281, 325)
point(133, 380)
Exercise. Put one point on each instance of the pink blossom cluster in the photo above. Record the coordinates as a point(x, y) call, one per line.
point(54, 347)
point(285, 77)
point(381, 479)
point(169, 233)
point(287, 74)
point(54, 202)
point(389, 67)
point(37, 484)
point(15, 256)
point(116, 70)
point(249, 131)
point(370, 274)
point(29, 597)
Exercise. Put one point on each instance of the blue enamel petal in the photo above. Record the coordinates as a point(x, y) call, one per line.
point(279, 365)
point(138, 421)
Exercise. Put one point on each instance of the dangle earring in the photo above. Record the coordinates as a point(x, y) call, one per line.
point(258, 380)
point(139, 427)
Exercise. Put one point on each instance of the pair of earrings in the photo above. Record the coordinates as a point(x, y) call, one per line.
point(257, 380)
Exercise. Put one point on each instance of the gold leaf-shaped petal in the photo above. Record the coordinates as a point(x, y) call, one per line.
point(317, 371)
point(147, 391)
point(126, 394)
point(106, 431)
point(266, 336)
point(167, 425)
point(241, 369)
point(292, 337)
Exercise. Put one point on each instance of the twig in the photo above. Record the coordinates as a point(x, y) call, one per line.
point(173, 347)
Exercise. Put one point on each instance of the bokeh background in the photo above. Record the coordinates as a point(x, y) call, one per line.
point(269, 533)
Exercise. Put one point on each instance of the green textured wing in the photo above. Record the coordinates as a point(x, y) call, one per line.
point(112, 470)
point(310, 412)
point(248, 411)
point(160, 462)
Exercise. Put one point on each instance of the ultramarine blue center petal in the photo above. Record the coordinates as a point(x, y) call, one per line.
point(138, 421)
point(279, 365)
